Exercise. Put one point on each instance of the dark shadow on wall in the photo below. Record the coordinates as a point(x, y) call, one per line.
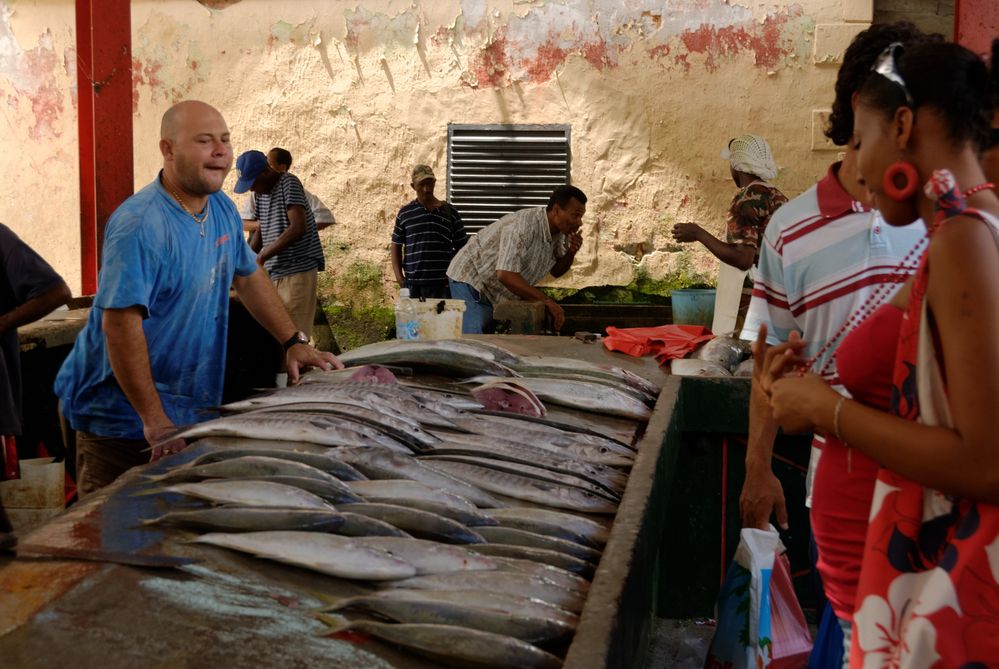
point(931, 16)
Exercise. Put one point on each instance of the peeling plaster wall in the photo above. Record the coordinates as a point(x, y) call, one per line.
point(360, 91)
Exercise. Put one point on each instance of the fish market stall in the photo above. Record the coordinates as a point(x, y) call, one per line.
point(531, 538)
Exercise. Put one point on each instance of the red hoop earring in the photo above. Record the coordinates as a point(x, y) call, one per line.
point(904, 172)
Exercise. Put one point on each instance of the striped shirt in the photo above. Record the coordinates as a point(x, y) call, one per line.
point(430, 238)
point(320, 211)
point(520, 242)
point(823, 255)
point(271, 209)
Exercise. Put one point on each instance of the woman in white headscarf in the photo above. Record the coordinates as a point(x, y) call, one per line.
point(752, 165)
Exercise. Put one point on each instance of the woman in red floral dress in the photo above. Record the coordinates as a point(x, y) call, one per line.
point(929, 585)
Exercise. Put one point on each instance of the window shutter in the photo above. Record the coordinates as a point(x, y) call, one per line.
point(493, 170)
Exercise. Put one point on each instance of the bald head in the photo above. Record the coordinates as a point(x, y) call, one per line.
point(194, 141)
point(182, 115)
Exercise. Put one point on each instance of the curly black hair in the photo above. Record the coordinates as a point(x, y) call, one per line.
point(856, 68)
point(946, 77)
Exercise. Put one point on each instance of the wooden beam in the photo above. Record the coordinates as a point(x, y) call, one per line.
point(104, 83)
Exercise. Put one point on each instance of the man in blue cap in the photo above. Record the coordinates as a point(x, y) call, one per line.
point(287, 241)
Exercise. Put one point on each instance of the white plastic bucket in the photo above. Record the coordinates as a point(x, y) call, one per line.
point(37, 496)
point(430, 319)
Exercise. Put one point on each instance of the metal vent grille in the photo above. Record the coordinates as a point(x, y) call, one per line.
point(493, 170)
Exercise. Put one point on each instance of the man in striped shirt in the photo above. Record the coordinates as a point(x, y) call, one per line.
point(431, 232)
point(287, 242)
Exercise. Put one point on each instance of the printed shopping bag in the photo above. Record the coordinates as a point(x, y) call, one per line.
point(757, 622)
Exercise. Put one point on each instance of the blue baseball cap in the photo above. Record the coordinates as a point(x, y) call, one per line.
point(249, 166)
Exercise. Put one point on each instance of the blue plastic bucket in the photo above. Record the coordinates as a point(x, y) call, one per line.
point(693, 306)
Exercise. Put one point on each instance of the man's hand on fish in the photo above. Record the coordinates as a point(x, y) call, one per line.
point(157, 433)
point(300, 356)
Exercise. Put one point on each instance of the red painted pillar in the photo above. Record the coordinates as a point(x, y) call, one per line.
point(976, 24)
point(104, 84)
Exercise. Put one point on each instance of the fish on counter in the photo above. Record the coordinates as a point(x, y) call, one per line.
point(458, 646)
point(324, 553)
point(569, 526)
point(580, 394)
point(249, 466)
point(454, 357)
point(430, 557)
point(241, 448)
point(417, 522)
point(504, 582)
point(514, 537)
point(543, 555)
point(250, 519)
point(523, 618)
point(244, 492)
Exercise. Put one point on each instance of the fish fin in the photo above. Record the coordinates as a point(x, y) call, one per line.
point(335, 623)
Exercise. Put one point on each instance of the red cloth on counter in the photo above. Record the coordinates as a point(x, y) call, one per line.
point(664, 341)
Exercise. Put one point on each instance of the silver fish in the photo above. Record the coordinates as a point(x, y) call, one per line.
point(459, 645)
point(547, 521)
point(392, 491)
point(452, 357)
point(250, 519)
point(430, 557)
point(560, 577)
point(380, 463)
point(326, 463)
point(505, 582)
point(290, 426)
point(527, 470)
point(251, 493)
point(727, 351)
point(357, 525)
point(515, 537)
point(250, 466)
point(419, 523)
point(546, 493)
point(335, 492)
point(578, 394)
point(397, 426)
point(324, 553)
point(548, 364)
point(530, 620)
point(554, 558)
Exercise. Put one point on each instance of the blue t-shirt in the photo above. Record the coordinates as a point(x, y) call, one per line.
point(155, 257)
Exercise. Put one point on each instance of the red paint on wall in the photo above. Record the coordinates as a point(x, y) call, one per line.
point(765, 40)
point(976, 22)
point(46, 99)
point(596, 54)
point(547, 59)
point(493, 63)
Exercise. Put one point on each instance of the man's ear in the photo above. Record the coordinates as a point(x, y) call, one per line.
point(166, 148)
point(902, 126)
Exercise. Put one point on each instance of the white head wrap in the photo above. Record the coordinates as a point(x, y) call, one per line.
point(751, 154)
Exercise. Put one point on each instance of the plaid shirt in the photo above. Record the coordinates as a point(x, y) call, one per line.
point(519, 242)
point(750, 212)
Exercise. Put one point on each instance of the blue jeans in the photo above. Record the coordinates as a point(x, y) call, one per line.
point(478, 316)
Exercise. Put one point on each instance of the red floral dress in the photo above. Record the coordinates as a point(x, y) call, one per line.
point(929, 585)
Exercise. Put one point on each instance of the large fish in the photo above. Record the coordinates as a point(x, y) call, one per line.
point(505, 582)
point(515, 537)
point(725, 350)
point(567, 526)
point(419, 523)
point(335, 492)
point(380, 463)
point(580, 394)
point(499, 448)
point(528, 470)
point(358, 525)
point(530, 620)
point(459, 646)
point(430, 557)
point(324, 553)
point(543, 555)
point(586, 447)
point(252, 493)
point(400, 491)
point(546, 493)
point(450, 357)
point(427, 408)
point(534, 365)
point(250, 466)
point(322, 462)
point(290, 426)
point(251, 519)
point(560, 577)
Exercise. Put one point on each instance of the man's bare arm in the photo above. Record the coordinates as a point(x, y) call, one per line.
point(36, 307)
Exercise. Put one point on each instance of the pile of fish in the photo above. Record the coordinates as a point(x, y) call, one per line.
point(721, 356)
point(476, 530)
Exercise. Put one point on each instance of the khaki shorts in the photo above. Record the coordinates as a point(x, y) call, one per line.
point(100, 460)
point(298, 292)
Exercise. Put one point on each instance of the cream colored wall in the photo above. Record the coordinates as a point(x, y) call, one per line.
point(360, 91)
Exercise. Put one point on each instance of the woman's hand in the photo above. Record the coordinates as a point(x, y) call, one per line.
point(802, 403)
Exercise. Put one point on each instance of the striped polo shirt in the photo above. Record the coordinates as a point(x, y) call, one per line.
point(430, 238)
point(271, 209)
point(822, 257)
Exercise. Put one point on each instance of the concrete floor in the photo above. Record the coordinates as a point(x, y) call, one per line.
point(679, 644)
